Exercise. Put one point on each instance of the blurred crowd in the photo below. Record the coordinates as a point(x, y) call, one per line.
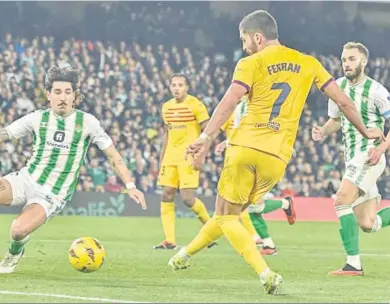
point(125, 85)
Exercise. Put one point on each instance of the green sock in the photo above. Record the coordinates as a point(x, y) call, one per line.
point(272, 205)
point(384, 214)
point(16, 247)
point(349, 230)
point(259, 224)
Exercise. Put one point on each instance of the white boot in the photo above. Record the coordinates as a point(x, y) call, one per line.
point(9, 262)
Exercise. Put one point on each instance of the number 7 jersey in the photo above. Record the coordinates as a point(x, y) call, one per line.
point(278, 80)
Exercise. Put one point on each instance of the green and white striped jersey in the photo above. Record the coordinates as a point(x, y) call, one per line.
point(373, 102)
point(59, 147)
point(240, 111)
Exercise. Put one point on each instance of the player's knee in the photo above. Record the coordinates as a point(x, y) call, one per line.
point(19, 230)
point(188, 199)
point(367, 224)
point(168, 195)
point(343, 198)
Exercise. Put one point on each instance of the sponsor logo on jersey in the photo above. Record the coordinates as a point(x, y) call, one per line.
point(59, 136)
point(55, 145)
point(170, 126)
point(274, 126)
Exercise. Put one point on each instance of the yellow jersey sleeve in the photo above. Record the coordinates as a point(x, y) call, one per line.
point(244, 73)
point(322, 77)
point(200, 111)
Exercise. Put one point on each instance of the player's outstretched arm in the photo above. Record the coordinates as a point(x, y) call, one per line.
point(333, 91)
point(225, 108)
point(3, 135)
point(121, 170)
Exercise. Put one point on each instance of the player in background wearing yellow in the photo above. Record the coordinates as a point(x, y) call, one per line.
point(184, 117)
point(277, 80)
point(252, 218)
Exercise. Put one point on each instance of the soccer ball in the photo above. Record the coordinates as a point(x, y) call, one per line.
point(86, 254)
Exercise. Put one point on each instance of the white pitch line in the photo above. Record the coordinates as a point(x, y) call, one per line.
point(59, 296)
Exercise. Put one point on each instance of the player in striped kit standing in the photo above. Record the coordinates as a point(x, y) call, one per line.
point(365, 160)
point(61, 137)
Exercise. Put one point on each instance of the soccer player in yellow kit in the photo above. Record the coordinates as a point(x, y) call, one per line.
point(254, 222)
point(184, 117)
point(277, 80)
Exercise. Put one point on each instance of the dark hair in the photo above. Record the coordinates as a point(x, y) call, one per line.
point(66, 74)
point(179, 75)
point(260, 21)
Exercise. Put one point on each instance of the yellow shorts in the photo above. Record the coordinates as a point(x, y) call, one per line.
point(178, 176)
point(248, 174)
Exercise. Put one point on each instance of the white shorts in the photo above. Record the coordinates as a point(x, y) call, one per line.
point(365, 177)
point(26, 191)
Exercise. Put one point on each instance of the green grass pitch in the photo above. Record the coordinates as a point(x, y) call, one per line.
point(134, 272)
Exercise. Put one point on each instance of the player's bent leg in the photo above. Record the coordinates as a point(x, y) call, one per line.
point(227, 215)
point(32, 217)
point(369, 219)
point(168, 217)
point(209, 234)
point(248, 224)
point(196, 205)
point(349, 231)
point(365, 213)
point(261, 226)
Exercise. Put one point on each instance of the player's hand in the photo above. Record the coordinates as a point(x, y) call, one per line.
point(199, 159)
point(220, 148)
point(375, 133)
point(196, 147)
point(317, 133)
point(138, 196)
point(374, 156)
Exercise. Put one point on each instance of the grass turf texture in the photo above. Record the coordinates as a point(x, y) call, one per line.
point(134, 272)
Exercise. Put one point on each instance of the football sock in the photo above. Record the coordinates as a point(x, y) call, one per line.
point(354, 261)
point(16, 247)
point(168, 221)
point(209, 233)
point(242, 241)
point(349, 233)
point(260, 225)
point(383, 218)
point(272, 205)
point(246, 221)
point(200, 210)
point(268, 242)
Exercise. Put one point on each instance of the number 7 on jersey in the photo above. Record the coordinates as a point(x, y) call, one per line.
point(285, 89)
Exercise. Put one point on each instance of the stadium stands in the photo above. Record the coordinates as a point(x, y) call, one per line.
point(125, 84)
